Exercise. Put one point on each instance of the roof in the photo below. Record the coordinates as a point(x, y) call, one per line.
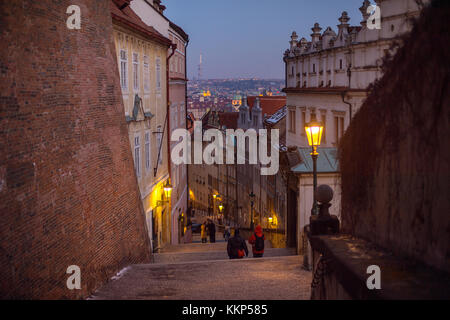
point(277, 116)
point(327, 161)
point(179, 30)
point(268, 104)
point(122, 12)
point(229, 119)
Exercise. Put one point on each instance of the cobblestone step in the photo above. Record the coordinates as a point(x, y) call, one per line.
point(175, 257)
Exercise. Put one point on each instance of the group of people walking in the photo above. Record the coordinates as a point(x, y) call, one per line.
point(237, 248)
point(208, 227)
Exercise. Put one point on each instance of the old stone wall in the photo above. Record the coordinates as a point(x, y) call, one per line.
point(68, 191)
point(395, 155)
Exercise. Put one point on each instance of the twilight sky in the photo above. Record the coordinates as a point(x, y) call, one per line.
point(247, 38)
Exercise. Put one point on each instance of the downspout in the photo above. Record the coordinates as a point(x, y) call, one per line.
point(174, 47)
point(185, 119)
point(343, 93)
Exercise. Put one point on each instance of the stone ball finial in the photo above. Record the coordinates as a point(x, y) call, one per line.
point(324, 193)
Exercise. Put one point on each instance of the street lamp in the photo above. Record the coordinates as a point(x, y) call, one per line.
point(314, 130)
point(252, 196)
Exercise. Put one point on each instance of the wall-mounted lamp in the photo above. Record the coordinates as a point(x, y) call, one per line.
point(167, 191)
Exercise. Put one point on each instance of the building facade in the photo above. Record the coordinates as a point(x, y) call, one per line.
point(141, 59)
point(177, 119)
point(152, 13)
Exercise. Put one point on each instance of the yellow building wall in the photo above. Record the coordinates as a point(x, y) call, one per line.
point(154, 101)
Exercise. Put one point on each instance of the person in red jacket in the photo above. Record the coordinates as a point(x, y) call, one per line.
point(257, 242)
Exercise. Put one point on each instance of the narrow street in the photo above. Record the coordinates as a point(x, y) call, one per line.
point(202, 272)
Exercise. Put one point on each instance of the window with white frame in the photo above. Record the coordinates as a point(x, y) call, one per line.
point(147, 150)
point(160, 148)
point(146, 74)
point(123, 69)
point(338, 127)
point(158, 73)
point(137, 160)
point(135, 71)
point(302, 129)
point(324, 123)
point(292, 120)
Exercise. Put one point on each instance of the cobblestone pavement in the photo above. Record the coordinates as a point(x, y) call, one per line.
point(272, 278)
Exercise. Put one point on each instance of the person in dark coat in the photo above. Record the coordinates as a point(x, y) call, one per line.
point(236, 246)
point(212, 231)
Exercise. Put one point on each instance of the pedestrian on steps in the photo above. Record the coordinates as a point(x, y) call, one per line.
point(257, 242)
point(212, 231)
point(204, 233)
point(236, 247)
point(188, 234)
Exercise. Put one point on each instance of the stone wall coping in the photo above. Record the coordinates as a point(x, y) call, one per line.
point(401, 278)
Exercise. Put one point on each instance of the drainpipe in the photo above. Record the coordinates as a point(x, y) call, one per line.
point(174, 47)
point(343, 93)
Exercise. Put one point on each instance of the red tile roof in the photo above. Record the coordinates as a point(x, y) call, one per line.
point(129, 18)
point(268, 104)
point(229, 119)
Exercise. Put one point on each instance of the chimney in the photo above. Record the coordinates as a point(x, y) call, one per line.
point(315, 36)
point(294, 39)
point(364, 13)
point(343, 26)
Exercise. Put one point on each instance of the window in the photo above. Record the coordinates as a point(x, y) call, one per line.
point(158, 73)
point(147, 150)
point(314, 68)
point(160, 148)
point(123, 69)
point(340, 64)
point(135, 71)
point(324, 122)
point(137, 149)
point(338, 128)
point(255, 120)
point(146, 74)
point(303, 123)
point(292, 120)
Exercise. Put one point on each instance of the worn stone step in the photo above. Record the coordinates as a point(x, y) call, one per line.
point(175, 257)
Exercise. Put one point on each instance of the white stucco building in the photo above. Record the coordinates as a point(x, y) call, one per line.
point(329, 74)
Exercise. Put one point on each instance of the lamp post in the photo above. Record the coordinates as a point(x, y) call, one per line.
point(252, 196)
point(215, 197)
point(167, 187)
point(314, 130)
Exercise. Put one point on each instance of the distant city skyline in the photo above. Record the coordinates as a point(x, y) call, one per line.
point(246, 39)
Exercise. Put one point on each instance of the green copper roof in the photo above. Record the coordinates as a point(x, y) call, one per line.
point(327, 162)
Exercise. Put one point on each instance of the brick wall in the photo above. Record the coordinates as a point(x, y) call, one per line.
point(68, 191)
